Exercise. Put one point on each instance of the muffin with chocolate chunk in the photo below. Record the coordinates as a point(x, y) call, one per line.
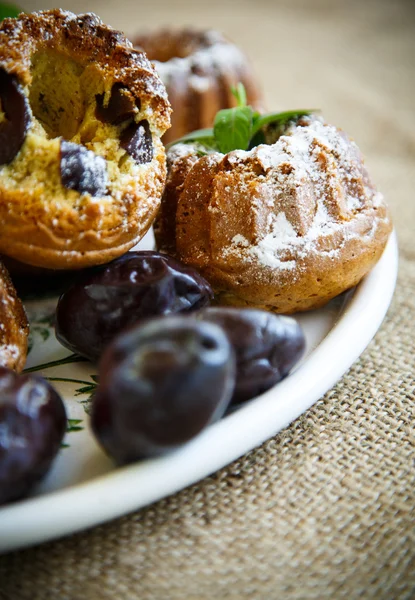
point(82, 167)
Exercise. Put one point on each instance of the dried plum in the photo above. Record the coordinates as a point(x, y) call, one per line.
point(267, 346)
point(134, 287)
point(160, 384)
point(32, 426)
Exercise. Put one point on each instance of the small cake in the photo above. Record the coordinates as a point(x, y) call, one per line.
point(82, 167)
point(198, 69)
point(14, 328)
point(285, 226)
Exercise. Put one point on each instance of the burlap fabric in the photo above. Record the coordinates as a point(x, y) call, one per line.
point(326, 508)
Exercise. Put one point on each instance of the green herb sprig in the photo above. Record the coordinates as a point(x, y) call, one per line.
point(239, 128)
point(8, 10)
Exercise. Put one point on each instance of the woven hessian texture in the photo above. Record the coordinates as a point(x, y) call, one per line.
point(325, 510)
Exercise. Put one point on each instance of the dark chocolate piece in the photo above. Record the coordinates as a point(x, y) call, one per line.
point(121, 105)
point(82, 170)
point(15, 106)
point(137, 141)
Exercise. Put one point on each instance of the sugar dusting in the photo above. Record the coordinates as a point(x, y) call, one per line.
point(9, 353)
point(198, 68)
point(50, 24)
point(290, 163)
point(83, 170)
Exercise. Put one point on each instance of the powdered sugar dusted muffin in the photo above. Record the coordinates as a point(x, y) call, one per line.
point(285, 226)
point(14, 328)
point(82, 167)
point(198, 68)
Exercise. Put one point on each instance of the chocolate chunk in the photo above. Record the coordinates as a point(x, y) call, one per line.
point(121, 105)
point(14, 127)
point(137, 141)
point(82, 170)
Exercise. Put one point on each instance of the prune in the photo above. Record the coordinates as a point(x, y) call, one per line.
point(160, 384)
point(14, 127)
point(82, 170)
point(32, 425)
point(137, 142)
point(266, 346)
point(134, 287)
point(121, 105)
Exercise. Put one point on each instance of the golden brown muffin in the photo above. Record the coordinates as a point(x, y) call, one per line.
point(285, 226)
point(14, 328)
point(82, 167)
point(198, 69)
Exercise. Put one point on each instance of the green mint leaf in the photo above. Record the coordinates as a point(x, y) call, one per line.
point(73, 425)
point(240, 94)
point(201, 136)
point(233, 128)
point(261, 121)
point(8, 10)
point(257, 139)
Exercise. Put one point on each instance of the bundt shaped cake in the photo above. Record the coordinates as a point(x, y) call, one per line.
point(82, 167)
point(198, 69)
point(14, 328)
point(285, 226)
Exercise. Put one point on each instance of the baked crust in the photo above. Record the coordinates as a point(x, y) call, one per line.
point(284, 227)
point(42, 223)
point(14, 328)
point(199, 68)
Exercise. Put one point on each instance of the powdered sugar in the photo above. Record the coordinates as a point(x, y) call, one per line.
point(265, 250)
point(82, 169)
point(282, 241)
point(9, 353)
point(291, 164)
point(215, 56)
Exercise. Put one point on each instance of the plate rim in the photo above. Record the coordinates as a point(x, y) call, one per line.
point(38, 517)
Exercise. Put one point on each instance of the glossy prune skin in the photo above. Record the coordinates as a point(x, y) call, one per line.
point(266, 346)
point(134, 287)
point(160, 384)
point(82, 170)
point(32, 425)
point(14, 127)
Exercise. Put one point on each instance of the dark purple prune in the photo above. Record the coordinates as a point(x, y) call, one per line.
point(121, 105)
point(32, 426)
point(137, 142)
point(267, 346)
point(82, 170)
point(160, 384)
point(133, 287)
point(14, 127)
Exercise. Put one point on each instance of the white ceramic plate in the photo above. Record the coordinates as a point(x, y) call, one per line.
point(84, 489)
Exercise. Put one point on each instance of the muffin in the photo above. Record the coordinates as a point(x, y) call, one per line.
point(82, 167)
point(198, 68)
point(285, 226)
